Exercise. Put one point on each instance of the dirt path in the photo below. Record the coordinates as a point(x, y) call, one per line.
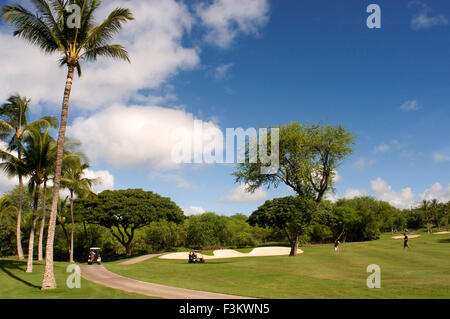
point(102, 276)
point(138, 259)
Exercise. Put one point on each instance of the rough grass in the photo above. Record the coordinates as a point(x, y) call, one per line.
point(421, 272)
point(16, 284)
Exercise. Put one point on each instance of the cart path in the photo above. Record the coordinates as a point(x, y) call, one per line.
point(138, 259)
point(102, 276)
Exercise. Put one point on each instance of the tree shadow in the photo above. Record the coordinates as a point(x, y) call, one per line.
point(445, 241)
point(6, 265)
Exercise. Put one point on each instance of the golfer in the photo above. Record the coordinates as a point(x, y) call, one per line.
point(405, 242)
point(336, 245)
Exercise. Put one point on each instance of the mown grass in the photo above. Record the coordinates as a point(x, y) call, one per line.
point(16, 284)
point(421, 272)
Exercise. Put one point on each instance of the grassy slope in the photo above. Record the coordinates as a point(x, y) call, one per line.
point(422, 272)
point(16, 284)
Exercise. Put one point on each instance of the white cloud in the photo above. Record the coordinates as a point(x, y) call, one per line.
point(226, 19)
point(106, 180)
point(410, 106)
point(437, 191)
point(439, 158)
point(352, 193)
point(193, 210)
point(136, 135)
point(240, 195)
point(383, 191)
point(381, 148)
point(423, 19)
point(362, 163)
point(222, 71)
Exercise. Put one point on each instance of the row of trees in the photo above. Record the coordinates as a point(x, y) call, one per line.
point(134, 221)
point(30, 156)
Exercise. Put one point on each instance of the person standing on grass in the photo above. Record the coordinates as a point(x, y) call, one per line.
point(405, 242)
point(336, 245)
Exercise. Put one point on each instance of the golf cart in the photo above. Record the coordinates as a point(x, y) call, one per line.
point(196, 257)
point(94, 256)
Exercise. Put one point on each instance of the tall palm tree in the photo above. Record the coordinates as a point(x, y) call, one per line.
point(13, 126)
point(37, 159)
point(69, 155)
point(49, 28)
point(74, 180)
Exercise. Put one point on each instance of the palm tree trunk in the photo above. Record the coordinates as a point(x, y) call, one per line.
point(19, 219)
point(33, 227)
point(49, 281)
point(73, 226)
point(44, 212)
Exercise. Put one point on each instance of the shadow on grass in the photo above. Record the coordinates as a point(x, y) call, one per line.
point(445, 241)
point(6, 265)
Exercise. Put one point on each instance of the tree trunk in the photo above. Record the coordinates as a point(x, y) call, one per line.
point(294, 246)
point(44, 213)
point(73, 226)
point(49, 281)
point(19, 219)
point(33, 227)
point(128, 247)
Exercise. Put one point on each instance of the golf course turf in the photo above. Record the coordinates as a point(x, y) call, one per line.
point(16, 284)
point(420, 272)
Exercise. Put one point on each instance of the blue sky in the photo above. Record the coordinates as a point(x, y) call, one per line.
point(263, 63)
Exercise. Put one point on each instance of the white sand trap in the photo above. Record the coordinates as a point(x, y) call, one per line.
point(442, 232)
point(409, 236)
point(230, 253)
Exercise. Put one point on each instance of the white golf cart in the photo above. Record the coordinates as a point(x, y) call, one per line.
point(94, 256)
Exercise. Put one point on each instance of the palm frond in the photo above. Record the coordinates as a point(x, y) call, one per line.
point(30, 28)
point(99, 35)
point(111, 51)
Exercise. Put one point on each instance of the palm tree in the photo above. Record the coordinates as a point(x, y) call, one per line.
point(5, 205)
point(13, 126)
point(37, 160)
point(69, 156)
point(74, 180)
point(49, 29)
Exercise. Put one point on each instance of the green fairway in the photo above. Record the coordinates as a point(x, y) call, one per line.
point(421, 272)
point(16, 284)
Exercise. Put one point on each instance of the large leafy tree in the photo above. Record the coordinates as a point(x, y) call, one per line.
point(54, 28)
point(292, 215)
point(75, 181)
point(125, 211)
point(13, 127)
point(309, 155)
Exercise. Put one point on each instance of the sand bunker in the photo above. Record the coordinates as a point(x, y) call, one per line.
point(230, 253)
point(442, 232)
point(409, 236)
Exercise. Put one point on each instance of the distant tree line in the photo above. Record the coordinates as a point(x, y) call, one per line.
point(165, 228)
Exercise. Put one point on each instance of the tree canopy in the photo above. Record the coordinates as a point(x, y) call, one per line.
point(290, 214)
point(124, 211)
point(309, 155)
